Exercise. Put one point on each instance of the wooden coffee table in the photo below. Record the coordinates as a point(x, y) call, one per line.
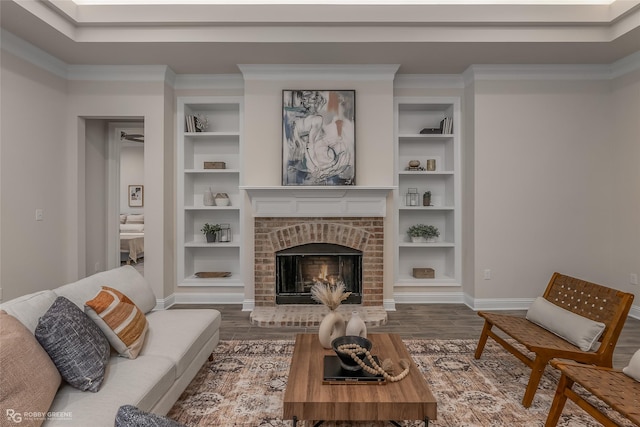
point(307, 398)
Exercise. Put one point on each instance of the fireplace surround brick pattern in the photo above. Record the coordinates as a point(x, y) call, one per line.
point(275, 234)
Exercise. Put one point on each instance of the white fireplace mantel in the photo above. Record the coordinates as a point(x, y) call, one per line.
point(315, 201)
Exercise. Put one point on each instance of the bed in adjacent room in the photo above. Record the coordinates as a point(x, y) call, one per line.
point(131, 237)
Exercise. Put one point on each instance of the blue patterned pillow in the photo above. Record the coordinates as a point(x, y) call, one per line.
point(76, 345)
point(129, 415)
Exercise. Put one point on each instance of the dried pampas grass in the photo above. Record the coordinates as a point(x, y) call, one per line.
point(329, 295)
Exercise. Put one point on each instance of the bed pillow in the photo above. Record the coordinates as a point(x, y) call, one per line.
point(135, 219)
point(633, 369)
point(75, 344)
point(122, 322)
point(132, 228)
point(578, 330)
point(30, 380)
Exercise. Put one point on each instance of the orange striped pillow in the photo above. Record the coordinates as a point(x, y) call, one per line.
point(120, 319)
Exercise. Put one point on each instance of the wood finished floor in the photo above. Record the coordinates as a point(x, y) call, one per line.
point(417, 321)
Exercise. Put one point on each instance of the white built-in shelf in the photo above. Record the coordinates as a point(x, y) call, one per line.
point(222, 142)
point(411, 115)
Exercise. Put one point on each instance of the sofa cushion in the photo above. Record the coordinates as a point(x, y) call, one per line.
point(119, 319)
point(76, 345)
point(180, 334)
point(633, 368)
point(129, 415)
point(126, 279)
point(141, 382)
point(28, 309)
point(29, 377)
point(578, 330)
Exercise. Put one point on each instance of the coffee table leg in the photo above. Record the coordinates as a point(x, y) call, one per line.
point(295, 421)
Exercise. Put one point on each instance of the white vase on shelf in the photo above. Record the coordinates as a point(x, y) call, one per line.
point(356, 325)
point(207, 198)
point(332, 326)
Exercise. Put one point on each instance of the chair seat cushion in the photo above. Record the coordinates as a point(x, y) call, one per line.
point(578, 330)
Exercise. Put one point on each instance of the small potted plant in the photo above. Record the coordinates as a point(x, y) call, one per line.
point(423, 233)
point(210, 231)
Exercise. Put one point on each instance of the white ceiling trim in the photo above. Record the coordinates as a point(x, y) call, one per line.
point(318, 72)
point(30, 53)
point(209, 81)
point(132, 73)
point(428, 81)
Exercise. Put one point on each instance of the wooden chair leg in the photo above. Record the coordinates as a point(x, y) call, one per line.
point(483, 339)
point(537, 369)
point(559, 400)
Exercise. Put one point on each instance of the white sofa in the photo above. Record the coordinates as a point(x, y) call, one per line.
point(177, 344)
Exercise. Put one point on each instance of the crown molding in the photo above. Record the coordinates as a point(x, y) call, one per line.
point(319, 72)
point(536, 72)
point(428, 81)
point(133, 73)
point(626, 65)
point(209, 81)
point(30, 53)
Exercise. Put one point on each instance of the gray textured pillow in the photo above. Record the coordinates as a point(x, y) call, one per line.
point(76, 345)
point(578, 330)
point(129, 415)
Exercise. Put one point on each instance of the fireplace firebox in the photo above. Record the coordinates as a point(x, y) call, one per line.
point(299, 267)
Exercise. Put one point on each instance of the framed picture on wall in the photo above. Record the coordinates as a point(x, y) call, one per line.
point(136, 196)
point(318, 137)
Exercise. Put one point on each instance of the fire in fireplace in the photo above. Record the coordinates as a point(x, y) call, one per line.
point(299, 267)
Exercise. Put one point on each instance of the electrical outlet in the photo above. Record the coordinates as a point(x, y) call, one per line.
point(39, 214)
point(487, 274)
point(633, 278)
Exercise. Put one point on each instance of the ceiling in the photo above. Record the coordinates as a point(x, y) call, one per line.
point(201, 38)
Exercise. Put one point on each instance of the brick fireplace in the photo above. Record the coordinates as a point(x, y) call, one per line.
point(273, 234)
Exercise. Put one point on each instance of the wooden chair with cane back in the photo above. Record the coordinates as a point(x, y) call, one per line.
point(586, 299)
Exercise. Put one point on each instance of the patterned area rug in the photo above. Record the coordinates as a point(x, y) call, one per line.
point(244, 386)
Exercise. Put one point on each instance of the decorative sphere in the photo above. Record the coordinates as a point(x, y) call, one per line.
point(346, 361)
point(414, 163)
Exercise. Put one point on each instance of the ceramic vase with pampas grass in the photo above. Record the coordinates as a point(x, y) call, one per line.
point(333, 324)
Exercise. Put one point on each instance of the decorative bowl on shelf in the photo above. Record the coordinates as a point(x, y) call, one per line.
point(346, 361)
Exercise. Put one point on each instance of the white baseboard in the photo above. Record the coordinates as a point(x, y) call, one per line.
point(475, 304)
point(248, 305)
point(499, 303)
point(389, 304)
point(429, 298)
point(206, 298)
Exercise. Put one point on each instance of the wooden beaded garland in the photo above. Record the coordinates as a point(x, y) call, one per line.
point(354, 350)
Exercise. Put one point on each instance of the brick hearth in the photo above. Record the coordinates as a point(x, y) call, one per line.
point(275, 234)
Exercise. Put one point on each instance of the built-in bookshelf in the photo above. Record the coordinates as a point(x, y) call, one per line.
point(209, 145)
point(427, 130)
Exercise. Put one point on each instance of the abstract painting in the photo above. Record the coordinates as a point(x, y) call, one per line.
point(318, 137)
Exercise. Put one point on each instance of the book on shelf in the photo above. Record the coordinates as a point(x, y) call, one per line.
point(446, 125)
point(193, 123)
